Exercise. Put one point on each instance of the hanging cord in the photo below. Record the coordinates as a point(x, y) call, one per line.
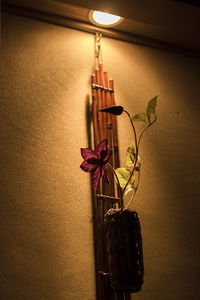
point(98, 51)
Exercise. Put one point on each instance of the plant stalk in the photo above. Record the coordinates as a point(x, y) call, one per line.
point(135, 191)
point(143, 131)
point(136, 154)
point(113, 170)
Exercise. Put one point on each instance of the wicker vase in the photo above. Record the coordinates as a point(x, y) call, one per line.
point(124, 246)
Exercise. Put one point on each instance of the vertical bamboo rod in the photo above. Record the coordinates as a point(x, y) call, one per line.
point(111, 187)
point(100, 117)
point(103, 96)
point(109, 122)
point(98, 204)
point(106, 189)
point(111, 83)
point(104, 125)
point(94, 111)
point(115, 136)
point(104, 280)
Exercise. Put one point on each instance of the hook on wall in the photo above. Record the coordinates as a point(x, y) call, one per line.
point(98, 51)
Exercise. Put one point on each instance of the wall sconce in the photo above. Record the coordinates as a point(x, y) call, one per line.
point(103, 19)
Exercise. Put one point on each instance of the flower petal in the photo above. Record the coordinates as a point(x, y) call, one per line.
point(104, 174)
point(96, 177)
point(87, 167)
point(88, 153)
point(102, 146)
point(105, 156)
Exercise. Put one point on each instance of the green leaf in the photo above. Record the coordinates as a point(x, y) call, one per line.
point(151, 106)
point(128, 189)
point(123, 175)
point(140, 118)
point(130, 156)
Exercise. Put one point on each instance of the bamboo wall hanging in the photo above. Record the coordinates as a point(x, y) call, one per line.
point(118, 240)
point(107, 196)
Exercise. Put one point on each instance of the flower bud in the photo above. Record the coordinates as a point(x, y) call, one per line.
point(114, 110)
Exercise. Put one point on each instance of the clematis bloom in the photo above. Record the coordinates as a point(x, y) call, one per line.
point(95, 161)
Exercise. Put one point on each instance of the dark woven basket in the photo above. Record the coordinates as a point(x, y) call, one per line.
point(124, 246)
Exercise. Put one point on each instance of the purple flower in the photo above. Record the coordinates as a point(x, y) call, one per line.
point(95, 161)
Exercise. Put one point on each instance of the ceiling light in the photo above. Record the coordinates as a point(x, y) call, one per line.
point(103, 19)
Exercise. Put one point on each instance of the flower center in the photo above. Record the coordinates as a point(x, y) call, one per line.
point(92, 161)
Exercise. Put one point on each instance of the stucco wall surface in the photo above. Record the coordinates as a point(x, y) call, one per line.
point(46, 223)
point(46, 248)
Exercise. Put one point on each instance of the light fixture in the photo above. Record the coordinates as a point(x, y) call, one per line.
point(103, 19)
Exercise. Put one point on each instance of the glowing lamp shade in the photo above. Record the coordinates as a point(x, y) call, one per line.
point(103, 19)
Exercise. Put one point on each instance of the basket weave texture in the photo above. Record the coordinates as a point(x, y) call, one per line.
point(124, 246)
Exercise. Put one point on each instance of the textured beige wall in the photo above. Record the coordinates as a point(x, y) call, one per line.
point(168, 196)
point(46, 248)
point(46, 229)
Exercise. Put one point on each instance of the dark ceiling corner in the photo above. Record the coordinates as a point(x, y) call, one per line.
point(170, 25)
point(190, 2)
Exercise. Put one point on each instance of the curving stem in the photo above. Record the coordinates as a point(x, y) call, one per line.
point(136, 154)
point(113, 170)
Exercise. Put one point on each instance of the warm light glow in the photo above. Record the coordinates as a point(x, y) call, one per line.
point(104, 19)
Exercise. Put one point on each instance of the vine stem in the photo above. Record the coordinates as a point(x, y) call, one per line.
point(137, 150)
point(143, 131)
point(113, 170)
point(136, 154)
point(135, 191)
point(137, 143)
